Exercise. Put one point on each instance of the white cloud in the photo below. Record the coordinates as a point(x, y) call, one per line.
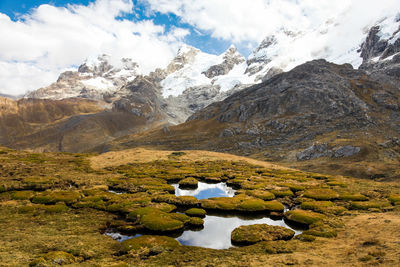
point(243, 22)
point(37, 47)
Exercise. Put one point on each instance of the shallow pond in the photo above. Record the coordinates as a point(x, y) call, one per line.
point(205, 190)
point(217, 229)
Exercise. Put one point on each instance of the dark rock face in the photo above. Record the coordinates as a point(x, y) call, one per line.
point(231, 58)
point(289, 110)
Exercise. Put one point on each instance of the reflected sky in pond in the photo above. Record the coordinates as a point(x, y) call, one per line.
point(205, 190)
point(217, 231)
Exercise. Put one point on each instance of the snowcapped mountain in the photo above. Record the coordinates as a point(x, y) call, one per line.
point(195, 79)
point(92, 80)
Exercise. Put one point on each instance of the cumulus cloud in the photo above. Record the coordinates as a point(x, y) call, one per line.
point(49, 39)
point(246, 23)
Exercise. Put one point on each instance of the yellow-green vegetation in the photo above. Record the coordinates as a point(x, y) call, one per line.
point(263, 194)
point(54, 207)
point(241, 203)
point(195, 221)
point(365, 205)
point(250, 234)
point(395, 199)
point(322, 207)
point(196, 212)
point(152, 242)
point(321, 194)
point(304, 217)
point(189, 182)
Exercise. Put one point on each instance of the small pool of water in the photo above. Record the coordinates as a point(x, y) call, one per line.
point(205, 190)
point(217, 231)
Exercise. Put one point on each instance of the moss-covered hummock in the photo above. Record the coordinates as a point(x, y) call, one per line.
point(262, 194)
point(347, 196)
point(52, 197)
point(304, 217)
point(150, 242)
point(284, 192)
point(189, 182)
point(321, 230)
point(195, 212)
point(250, 234)
point(195, 221)
point(178, 201)
point(323, 207)
point(394, 199)
point(22, 195)
point(321, 194)
point(365, 205)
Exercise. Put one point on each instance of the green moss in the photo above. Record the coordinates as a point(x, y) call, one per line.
point(161, 222)
point(293, 187)
point(21, 195)
point(251, 234)
point(282, 192)
point(274, 206)
point(189, 182)
point(149, 242)
point(395, 199)
point(220, 203)
point(305, 238)
point(352, 197)
point(262, 194)
point(321, 230)
point(365, 205)
point(196, 212)
point(195, 221)
point(251, 205)
point(337, 183)
point(321, 194)
point(52, 197)
point(304, 217)
point(323, 207)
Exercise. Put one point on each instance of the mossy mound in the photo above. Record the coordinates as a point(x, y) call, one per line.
point(352, 197)
point(284, 192)
point(195, 212)
point(251, 234)
point(262, 194)
point(304, 217)
point(337, 183)
point(321, 194)
point(365, 205)
point(241, 203)
point(178, 201)
point(158, 221)
point(151, 242)
point(54, 258)
point(321, 230)
point(196, 221)
point(394, 199)
point(52, 197)
point(305, 238)
point(189, 182)
point(323, 207)
point(22, 195)
point(293, 187)
point(57, 208)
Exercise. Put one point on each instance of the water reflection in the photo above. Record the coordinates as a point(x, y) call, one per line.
point(120, 237)
point(217, 230)
point(205, 190)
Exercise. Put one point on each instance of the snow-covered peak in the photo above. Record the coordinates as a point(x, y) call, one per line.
point(203, 69)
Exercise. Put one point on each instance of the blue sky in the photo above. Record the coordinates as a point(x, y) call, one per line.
point(197, 38)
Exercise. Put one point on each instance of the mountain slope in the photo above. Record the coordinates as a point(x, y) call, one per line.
point(345, 111)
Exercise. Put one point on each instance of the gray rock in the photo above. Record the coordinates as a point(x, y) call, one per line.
point(345, 151)
point(314, 151)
